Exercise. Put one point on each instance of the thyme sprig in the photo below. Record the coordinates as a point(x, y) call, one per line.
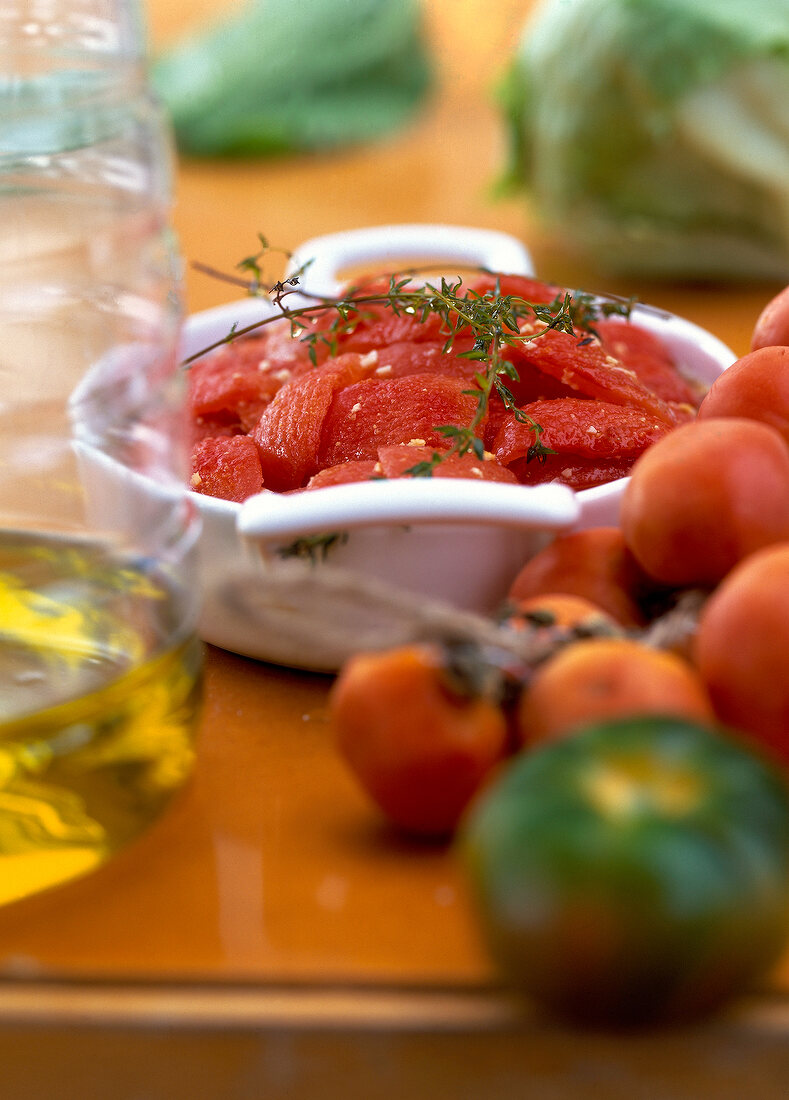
point(493, 320)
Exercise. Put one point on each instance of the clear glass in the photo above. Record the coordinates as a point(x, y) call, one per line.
point(73, 29)
point(56, 53)
point(99, 663)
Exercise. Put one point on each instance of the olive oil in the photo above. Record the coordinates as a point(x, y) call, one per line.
point(99, 675)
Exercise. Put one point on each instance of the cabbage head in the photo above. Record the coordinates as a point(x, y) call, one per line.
point(653, 135)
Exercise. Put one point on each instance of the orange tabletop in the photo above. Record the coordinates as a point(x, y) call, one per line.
point(270, 936)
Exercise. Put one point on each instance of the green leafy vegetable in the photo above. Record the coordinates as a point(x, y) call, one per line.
point(281, 76)
point(653, 134)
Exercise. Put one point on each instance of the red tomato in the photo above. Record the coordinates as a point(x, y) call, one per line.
point(593, 441)
point(598, 679)
point(288, 433)
point(704, 497)
point(344, 473)
point(395, 460)
point(741, 647)
point(592, 372)
point(756, 387)
point(772, 324)
point(418, 747)
point(594, 564)
point(647, 355)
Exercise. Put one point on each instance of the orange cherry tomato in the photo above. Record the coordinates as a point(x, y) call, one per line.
point(755, 387)
point(604, 678)
point(417, 742)
point(594, 564)
point(704, 497)
point(772, 325)
point(741, 648)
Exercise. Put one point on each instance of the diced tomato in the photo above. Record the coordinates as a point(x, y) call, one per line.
point(530, 385)
point(377, 412)
point(209, 427)
point(370, 326)
point(386, 383)
point(375, 325)
point(227, 467)
point(517, 286)
point(626, 338)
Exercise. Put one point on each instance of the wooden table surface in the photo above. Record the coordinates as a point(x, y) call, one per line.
point(269, 937)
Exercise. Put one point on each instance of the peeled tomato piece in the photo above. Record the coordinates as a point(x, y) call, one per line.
point(590, 429)
point(345, 473)
point(649, 358)
point(425, 357)
point(288, 433)
point(593, 372)
point(227, 467)
point(574, 471)
point(378, 412)
point(241, 377)
point(395, 461)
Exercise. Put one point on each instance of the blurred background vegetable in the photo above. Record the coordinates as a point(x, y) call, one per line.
point(654, 135)
point(278, 77)
point(633, 873)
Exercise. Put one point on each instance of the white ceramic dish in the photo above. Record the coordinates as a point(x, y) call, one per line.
point(410, 544)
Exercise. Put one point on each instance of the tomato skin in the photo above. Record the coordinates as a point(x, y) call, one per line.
point(741, 647)
point(755, 387)
point(634, 874)
point(599, 679)
point(772, 325)
point(595, 564)
point(704, 497)
point(418, 749)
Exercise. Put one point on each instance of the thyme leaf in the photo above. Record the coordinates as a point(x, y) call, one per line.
point(313, 548)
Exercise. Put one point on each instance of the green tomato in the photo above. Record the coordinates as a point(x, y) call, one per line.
point(637, 872)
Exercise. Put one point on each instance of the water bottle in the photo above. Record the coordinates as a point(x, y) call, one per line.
point(99, 663)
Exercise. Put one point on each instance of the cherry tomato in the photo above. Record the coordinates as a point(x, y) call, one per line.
point(419, 741)
point(595, 564)
point(637, 872)
point(772, 325)
point(704, 497)
point(755, 387)
point(603, 678)
point(741, 647)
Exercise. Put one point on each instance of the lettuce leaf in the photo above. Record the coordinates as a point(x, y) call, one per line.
point(284, 76)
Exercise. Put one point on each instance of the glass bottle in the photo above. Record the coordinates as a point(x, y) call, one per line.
point(99, 663)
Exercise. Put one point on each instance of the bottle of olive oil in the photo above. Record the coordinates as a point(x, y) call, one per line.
point(99, 663)
point(99, 674)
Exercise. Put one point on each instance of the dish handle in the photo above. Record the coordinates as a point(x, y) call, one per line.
point(328, 255)
point(271, 516)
